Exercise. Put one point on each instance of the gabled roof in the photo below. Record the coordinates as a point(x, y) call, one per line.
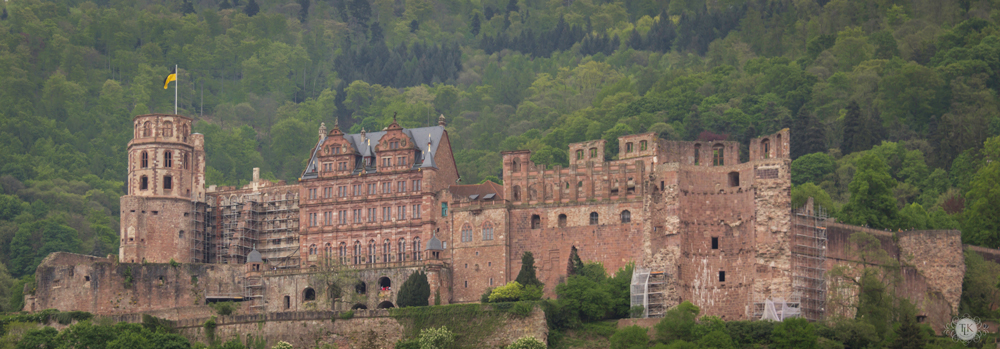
point(426, 139)
point(480, 191)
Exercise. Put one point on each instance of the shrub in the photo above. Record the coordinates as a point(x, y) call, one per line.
point(224, 308)
point(511, 292)
point(522, 308)
point(436, 338)
point(485, 297)
point(282, 345)
point(174, 263)
point(408, 344)
point(526, 343)
point(347, 315)
point(531, 293)
point(716, 339)
point(210, 329)
point(793, 333)
point(630, 337)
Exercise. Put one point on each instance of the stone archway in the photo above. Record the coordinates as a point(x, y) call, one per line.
point(386, 305)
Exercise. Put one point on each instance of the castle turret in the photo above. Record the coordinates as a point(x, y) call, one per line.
point(166, 176)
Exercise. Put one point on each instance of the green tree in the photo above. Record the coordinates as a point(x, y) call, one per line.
point(812, 168)
point(527, 274)
point(436, 338)
point(630, 337)
point(526, 343)
point(415, 292)
point(793, 333)
point(511, 292)
point(871, 202)
point(909, 335)
point(982, 222)
point(574, 263)
point(678, 323)
point(6, 285)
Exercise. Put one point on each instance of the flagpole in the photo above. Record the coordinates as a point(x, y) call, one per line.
point(175, 89)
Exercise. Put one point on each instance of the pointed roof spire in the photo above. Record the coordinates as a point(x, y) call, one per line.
point(393, 125)
point(441, 121)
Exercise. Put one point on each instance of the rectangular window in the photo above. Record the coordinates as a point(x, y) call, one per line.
point(722, 276)
point(715, 243)
point(371, 189)
point(401, 212)
point(312, 194)
point(342, 216)
point(385, 188)
point(372, 213)
point(416, 211)
point(416, 185)
point(400, 160)
point(357, 215)
point(444, 209)
point(328, 218)
point(401, 186)
point(386, 162)
point(168, 183)
point(312, 219)
point(386, 214)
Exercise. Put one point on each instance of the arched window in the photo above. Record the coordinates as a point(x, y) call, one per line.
point(401, 250)
point(562, 220)
point(593, 218)
point(184, 132)
point(168, 129)
point(328, 251)
point(697, 154)
point(466, 233)
point(309, 294)
point(416, 249)
point(147, 129)
point(144, 162)
point(371, 251)
point(386, 251)
point(312, 249)
point(358, 255)
point(488, 231)
point(343, 253)
point(717, 155)
point(517, 192)
point(168, 159)
point(536, 221)
point(765, 148)
point(626, 216)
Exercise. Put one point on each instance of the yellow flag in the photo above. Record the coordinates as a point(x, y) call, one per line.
point(171, 77)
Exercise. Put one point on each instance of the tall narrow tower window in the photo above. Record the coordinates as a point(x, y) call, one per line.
point(145, 160)
point(143, 183)
point(147, 129)
point(168, 183)
point(185, 161)
point(168, 159)
point(168, 129)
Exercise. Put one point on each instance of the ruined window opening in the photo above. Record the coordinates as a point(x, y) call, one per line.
point(567, 185)
point(642, 145)
point(536, 221)
point(921, 318)
point(715, 243)
point(765, 148)
point(143, 183)
point(628, 147)
point(717, 155)
point(309, 294)
point(562, 220)
point(734, 179)
point(361, 288)
point(86, 278)
point(722, 276)
point(491, 281)
point(593, 153)
point(288, 302)
point(144, 163)
point(168, 183)
point(147, 129)
point(168, 159)
point(626, 216)
point(697, 154)
point(579, 154)
point(579, 184)
point(516, 166)
point(155, 213)
point(180, 234)
point(168, 129)
point(593, 218)
point(517, 193)
point(661, 186)
point(466, 283)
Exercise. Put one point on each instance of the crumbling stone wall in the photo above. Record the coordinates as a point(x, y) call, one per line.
point(479, 263)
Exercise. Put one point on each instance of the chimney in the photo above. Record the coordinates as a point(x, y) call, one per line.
point(256, 174)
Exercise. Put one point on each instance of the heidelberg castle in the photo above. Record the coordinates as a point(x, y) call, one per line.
point(700, 226)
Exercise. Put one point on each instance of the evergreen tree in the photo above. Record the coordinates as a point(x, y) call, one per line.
point(414, 26)
point(415, 292)
point(225, 5)
point(982, 223)
point(303, 10)
point(807, 134)
point(361, 10)
point(692, 124)
point(908, 335)
point(527, 276)
point(512, 6)
point(187, 7)
point(377, 35)
point(859, 131)
point(476, 25)
point(3, 15)
point(251, 9)
point(575, 263)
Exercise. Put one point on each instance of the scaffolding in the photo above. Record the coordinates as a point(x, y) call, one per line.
point(278, 240)
point(254, 291)
point(808, 260)
point(240, 225)
point(648, 291)
point(201, 241)
point(269, 223)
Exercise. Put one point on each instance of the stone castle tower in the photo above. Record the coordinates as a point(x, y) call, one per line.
point(166, 179)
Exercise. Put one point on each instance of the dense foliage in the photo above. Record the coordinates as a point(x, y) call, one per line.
point(415, 291)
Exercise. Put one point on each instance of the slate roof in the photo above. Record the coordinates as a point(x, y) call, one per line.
point(480, 191)
point(254, 257)
point(365, 146)
point(434, 244)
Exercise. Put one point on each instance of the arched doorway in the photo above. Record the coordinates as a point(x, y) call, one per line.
point(359, 306)
point(361, 288)
point(384, 283)
point(309, 294)
point(386, 305)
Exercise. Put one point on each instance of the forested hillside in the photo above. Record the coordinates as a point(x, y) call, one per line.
point(891, 103)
